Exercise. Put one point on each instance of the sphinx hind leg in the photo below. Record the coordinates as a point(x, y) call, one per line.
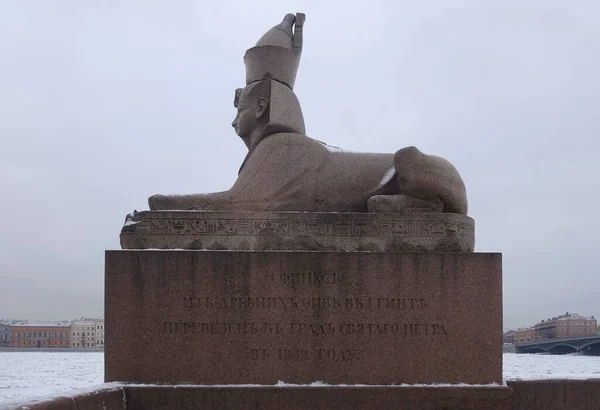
point(430, 178)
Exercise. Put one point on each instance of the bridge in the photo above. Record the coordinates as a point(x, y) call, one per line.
point(589, 345)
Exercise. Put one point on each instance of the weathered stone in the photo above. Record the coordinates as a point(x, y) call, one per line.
point(402, 204)
point(235, 317)
point(377, 232)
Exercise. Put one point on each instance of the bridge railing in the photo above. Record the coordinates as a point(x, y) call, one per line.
point(558, 339)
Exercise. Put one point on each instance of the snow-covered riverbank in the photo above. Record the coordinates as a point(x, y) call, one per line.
point(540, 366)
point(37, 374)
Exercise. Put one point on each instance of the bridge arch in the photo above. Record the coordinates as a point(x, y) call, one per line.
point(592, 348)
point(595, 342)
point(562, 348)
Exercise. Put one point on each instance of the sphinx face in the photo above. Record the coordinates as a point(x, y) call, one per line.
point(245, 121)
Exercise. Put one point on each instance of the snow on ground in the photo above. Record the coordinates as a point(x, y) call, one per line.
point(31, 375)
point(541, 366)
point(25, 375)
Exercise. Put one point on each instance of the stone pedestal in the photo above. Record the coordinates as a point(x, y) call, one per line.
point(260, 317)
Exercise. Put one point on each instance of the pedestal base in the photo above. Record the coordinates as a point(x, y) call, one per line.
point(329, 397)
point(239, 317)
point(518, 395)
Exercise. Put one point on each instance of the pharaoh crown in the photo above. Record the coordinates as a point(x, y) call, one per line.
point(277, 54)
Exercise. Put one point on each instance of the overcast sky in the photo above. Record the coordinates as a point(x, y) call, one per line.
point(104, 104)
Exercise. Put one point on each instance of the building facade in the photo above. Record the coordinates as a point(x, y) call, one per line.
point(508, 336)
point(4, 335)
point(83, 335)
point(100, 334)
point(524, 335)
point(40, 335)
point(566, 326)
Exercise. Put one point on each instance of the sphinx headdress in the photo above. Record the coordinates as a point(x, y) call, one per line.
point(277, 53)
point(275, 59)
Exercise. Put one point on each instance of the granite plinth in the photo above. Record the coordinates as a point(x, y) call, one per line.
point(258, 317)
point(516, 395)
point(311, 231)
point(323, 398)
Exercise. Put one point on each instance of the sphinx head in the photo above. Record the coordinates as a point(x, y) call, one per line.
point(264, 108)
point(268, 105)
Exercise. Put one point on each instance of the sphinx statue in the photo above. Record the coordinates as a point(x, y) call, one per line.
point(286, 170)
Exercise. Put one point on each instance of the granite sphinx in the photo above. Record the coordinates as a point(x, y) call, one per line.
point(286, 170)
point(318, 264)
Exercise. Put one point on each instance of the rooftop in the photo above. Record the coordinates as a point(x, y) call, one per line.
point(568, 316)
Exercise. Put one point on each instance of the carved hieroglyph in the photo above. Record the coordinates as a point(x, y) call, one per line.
point(317, 231)
point(286, 170)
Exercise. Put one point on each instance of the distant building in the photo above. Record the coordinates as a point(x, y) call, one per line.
point(100, 334)
point(83, 335)
point(524, 335)
point(565, 326)
point(39, 335)
point(508, 336)
point(4, 335)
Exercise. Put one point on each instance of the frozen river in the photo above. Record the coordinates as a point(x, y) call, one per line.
point(26, 375)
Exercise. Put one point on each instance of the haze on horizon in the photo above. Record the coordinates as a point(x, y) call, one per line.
point(106, 104)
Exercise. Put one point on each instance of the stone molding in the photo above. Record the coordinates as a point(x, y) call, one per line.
point(327, 231)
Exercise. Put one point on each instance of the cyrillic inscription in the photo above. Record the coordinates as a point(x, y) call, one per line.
point(306, 278)
point(298, 355)
point(304, 329)
point(204, 302)
point(301, 332)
